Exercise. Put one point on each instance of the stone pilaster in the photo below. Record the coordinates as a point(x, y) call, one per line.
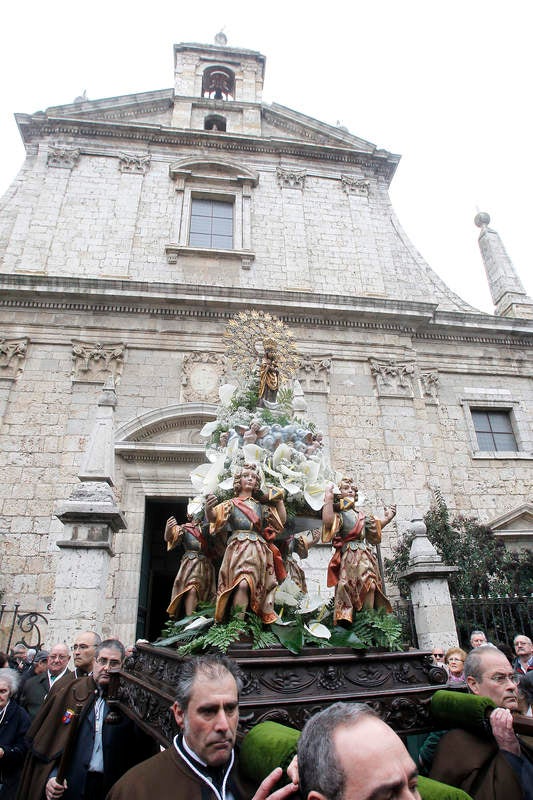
point(91, 516)
point(430, 594)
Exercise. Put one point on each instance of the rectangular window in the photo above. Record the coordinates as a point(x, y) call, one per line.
point(211, 224)
point(494, 430)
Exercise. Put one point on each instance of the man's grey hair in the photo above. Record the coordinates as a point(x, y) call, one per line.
point(522, 636)
point(474, 660)
point(318, 762)
point(114, 644)
point(477, 633)
point(12, 679)
point(212, 667)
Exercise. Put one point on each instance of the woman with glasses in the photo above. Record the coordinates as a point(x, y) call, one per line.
point(455, 662)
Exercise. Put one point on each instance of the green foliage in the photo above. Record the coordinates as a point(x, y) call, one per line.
point(370, 629)
point(376, 628)
point(487, 568)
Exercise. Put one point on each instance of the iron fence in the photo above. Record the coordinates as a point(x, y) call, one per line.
point(21, 627)
point(501, 618)
point(404, 611)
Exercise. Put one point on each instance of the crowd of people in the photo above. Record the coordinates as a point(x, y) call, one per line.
point(59, 739)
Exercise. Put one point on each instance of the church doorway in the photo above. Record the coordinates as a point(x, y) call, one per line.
point(158, 567)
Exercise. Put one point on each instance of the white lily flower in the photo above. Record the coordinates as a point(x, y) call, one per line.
point(212, 454)
point(198, 476)
point(318, 630)
point(311, 602)
point(253, 454)
point(226, 484)
point(204, 477)
point(209, 428)
point(283, 451)
point(291, 488)
point(226, 392)
point(291, 473)
point(310, 470)
point(199, 622)
point(195, 505)
point(314, 495)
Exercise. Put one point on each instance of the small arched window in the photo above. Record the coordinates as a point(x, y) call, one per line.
point(218, 83)
point(214, 122)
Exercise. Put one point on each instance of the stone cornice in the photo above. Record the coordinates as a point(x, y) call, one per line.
point(420, 320)
point(38, 126)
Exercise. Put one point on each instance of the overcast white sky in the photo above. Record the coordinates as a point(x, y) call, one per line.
point(448, 86)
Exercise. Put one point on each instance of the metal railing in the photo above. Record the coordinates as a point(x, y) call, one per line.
point(501, 618)
point(21, 627)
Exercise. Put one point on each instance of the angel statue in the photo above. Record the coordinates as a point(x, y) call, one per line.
point(195, 581)
point(353, 569)
point(252, 566)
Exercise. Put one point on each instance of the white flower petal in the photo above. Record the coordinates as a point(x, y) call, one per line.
point(291, 488)
point(314, 496)
point(208, 428)
point(195, 505)
point(310, 470)
point(253, 454)
point(198, 476)
point(226, 392)
point(227, 484)
point(199, 622)
point(318, 630)
point(282, 451)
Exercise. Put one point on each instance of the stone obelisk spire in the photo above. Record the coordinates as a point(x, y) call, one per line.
point(508, 294)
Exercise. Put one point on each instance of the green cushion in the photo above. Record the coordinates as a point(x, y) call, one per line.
point(268, 745)
point(455, 709)
point(435, 790)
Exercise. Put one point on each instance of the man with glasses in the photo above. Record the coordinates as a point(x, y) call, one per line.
point(83, 652)
point(102, 752)
point(495, 765)
point(438, 656)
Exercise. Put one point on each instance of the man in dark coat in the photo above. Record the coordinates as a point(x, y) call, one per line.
point(49, 668)
point(103, 750)
point(492, 767)
point(200, 764)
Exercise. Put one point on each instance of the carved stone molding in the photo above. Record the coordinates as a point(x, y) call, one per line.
point(290, 178)
point(134, 163)
point(314, 374)
point(12, 356)
point(201, 377)
point(65, 157)
point(359, 186)
point(429, 386)
point(393, 378)
point(94, 362)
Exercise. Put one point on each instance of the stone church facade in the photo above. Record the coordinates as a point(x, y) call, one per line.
point(136, 228)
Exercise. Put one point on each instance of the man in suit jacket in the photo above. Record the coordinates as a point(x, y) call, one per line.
point(36, 689)
point(103, 750)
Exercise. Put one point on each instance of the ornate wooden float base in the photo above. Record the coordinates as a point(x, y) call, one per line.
point(286, 688)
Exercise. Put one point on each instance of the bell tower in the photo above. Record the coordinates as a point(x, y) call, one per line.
point(218, 88)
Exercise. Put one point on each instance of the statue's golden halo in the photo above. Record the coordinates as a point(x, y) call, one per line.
point(249, 333)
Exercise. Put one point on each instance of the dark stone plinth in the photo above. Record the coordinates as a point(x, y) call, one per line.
point(289, 689)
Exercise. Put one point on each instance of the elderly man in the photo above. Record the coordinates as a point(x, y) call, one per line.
point(101, 752)
point(477, 639)
point(84, 651)
point(523, 647)
point(37, 687)
point(499, 767)
point(200, 764)
point(346, 751)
